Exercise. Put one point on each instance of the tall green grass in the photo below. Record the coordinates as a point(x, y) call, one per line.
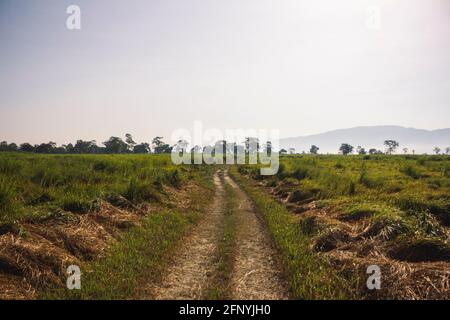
point(32, 183)
point(413, 184)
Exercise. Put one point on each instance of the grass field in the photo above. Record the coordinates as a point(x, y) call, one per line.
point(329, 216)
point(33, 185)
point(360, 210)
point(110, 214)
point(413, 189)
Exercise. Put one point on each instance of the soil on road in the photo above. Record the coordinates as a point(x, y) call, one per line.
point(255, 273)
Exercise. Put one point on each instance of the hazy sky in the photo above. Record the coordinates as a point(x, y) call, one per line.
point(150, 67)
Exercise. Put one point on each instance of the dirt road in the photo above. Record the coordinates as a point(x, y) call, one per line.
point(255, 273)
point(194, 262)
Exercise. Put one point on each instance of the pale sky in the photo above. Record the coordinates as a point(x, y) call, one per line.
point(151, 67)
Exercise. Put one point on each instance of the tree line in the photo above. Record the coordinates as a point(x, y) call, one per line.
point(112, 145)
point(346, 148)
point(116, 145)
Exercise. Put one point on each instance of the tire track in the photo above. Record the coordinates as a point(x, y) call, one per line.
point(195, 261)
point(256, 274)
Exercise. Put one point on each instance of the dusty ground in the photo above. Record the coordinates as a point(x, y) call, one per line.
point(194, 262)
point(256, 273)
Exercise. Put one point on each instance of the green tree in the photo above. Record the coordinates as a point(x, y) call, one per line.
point(360, 150)
point(437, 150)
point(142, 148)
point(26, 147)
point(45, 147)
point(115, 145)
point(3, 146)
point(391, 145)
point(13, 147)
point(159, 146)
point(83, 147)
point(346, 148)
point(70, 148)
point(314, 149)
point(129, 140)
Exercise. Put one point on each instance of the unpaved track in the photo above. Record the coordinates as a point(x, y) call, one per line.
point(256, 273)
point(194, 262)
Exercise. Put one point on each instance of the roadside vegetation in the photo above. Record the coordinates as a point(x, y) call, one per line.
point(411, 188)
point(390, 210)
point(310, 276)
point(109, 214)
point(36, 185)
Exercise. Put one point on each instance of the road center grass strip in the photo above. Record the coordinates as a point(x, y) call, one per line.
point(219, 288)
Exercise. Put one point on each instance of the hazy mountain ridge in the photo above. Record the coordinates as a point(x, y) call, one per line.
point(420, 140)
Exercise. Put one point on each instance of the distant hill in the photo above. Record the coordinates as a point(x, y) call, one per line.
point(422, 141)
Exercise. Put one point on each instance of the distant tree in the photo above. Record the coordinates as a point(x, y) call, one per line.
point(314, 149)
point(157, 141)
point(3, 146)
point(360, 150)
point(26, 147)
point(129, 140)
point(164, 149)
point(282, 151)
point(70, 148)
point(346, 148)
point(413, 151)
point(437, 150)
point(372, 151)
point(291, 150)
point(13, 147)
point(405, 150)
point(83, 147)
point(115, 145)
point(447, 150)
point(45, 147)
point(142, 148)
point(159, 146)
point(59, 150)
point(391, 145)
